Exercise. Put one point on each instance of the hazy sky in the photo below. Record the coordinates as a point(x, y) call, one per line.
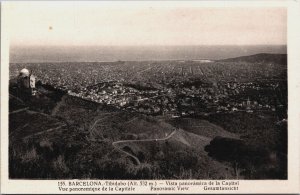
point(77, 23)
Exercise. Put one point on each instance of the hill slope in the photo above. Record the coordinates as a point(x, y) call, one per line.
point(61, 136)
point(260, 58)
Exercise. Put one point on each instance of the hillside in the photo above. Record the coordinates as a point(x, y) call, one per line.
point(54, 135)
point(201, 127)
point(57, 136)
point(260, 58)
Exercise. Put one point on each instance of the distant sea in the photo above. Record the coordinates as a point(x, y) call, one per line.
point(26, 54)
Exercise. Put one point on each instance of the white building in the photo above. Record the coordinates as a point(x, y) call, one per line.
point(26, 81)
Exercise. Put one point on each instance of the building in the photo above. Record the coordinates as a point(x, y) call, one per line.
point(26, 82)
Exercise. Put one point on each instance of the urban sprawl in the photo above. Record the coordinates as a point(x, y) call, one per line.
point(171, 88)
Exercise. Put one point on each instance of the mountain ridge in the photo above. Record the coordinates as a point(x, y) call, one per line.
point(259, 58)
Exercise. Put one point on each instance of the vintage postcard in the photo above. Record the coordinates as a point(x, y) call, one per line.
point(157, 97)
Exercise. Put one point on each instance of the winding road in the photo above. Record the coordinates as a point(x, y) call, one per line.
point(115, 144)
point(141, 140)
point(106, 115)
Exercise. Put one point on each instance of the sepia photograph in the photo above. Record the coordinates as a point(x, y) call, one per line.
point(164, 93)
point(104, 91)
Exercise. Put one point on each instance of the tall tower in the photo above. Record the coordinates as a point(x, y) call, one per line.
point(26, 82)
point(248, 102)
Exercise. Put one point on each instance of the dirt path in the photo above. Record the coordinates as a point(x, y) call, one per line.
point(20, 110)
point(115, 144)
point(105, 115)
point(45, 131)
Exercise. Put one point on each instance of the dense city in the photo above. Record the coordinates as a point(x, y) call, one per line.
point(171, 88)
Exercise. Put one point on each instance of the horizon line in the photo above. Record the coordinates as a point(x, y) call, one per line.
point(146, 60)
point(146, 45)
